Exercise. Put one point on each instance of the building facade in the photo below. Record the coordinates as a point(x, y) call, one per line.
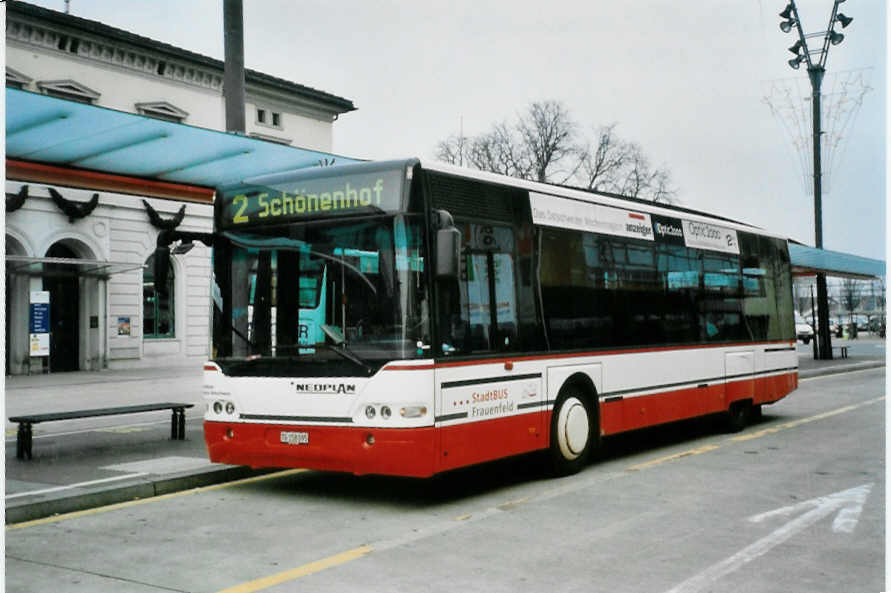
point(85, 241)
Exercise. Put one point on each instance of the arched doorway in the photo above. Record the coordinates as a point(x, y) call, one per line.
point(61, 281)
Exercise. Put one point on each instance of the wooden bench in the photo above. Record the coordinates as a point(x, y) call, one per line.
point(23, 439)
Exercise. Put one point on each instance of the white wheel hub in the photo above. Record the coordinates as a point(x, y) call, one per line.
point(572, 428)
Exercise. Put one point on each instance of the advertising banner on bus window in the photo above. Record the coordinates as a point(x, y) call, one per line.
point(668, 230)
point(710, 236)
point(594, 218)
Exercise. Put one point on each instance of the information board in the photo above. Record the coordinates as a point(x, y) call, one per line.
point(39, 323)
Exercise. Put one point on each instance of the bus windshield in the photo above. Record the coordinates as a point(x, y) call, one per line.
point(351, 294)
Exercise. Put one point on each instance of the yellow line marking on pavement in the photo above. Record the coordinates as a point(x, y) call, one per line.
point(505, 506)
point(794, 423)
point(300, 571)
point(697, 451)
point(757, 434)
point(139, 501)
point(836, 375)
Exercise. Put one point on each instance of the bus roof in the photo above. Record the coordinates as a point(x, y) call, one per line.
point(601, 197)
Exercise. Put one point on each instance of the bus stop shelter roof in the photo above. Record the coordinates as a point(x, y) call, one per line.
point(49, 130)
point(54, 131)
point(807, 261)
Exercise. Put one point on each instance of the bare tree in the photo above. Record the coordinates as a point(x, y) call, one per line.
point(802, 296)
point(453, 149)
point(850, 294)
point(545, 145)
point(661, 187)
point(548, 135)
point(499, 151)
point(850, 299)
point(641, 180)
point(636, 174)
point(602, 163)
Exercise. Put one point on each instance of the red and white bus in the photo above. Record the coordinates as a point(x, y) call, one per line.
point(468, 316)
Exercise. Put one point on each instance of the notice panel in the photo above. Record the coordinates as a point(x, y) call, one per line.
point(39, 323)
point(585, 216)
point(596, 218)
point(705, 235)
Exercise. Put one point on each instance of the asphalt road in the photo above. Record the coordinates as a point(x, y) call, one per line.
point(794, 503)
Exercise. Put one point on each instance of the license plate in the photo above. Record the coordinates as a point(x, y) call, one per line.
point(295, 438)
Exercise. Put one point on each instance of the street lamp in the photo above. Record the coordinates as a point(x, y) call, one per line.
point(816, 69)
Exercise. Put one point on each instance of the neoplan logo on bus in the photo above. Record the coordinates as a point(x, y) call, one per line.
point(325, 388)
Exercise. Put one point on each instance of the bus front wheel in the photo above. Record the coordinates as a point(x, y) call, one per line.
point(571, 433)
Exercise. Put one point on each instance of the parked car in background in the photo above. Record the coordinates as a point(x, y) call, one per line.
point(803, 330)
point(862, 322)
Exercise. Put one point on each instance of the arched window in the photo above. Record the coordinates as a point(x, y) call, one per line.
point(157, 307)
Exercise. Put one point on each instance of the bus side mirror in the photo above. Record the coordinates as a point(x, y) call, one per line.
point(161, 263)
point(448, 253)
point(448, 245)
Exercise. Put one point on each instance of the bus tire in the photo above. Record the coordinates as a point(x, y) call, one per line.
point(738, 416)
point(573, 432)
point(757, 413)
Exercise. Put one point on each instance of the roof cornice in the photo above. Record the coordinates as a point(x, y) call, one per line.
point(95, 28)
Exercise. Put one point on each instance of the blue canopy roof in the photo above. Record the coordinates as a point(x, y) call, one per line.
point(810, 260)
point(59, 132)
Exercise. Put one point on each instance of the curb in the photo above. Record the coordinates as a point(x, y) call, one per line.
point(841, 368)
point(41, 506)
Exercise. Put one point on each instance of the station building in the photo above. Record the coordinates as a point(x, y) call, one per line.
point(83, 100)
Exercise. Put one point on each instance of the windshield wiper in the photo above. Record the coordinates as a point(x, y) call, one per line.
point(346, 353)
point(339, 347)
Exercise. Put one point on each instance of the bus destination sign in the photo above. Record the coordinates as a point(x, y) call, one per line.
point(379, 191)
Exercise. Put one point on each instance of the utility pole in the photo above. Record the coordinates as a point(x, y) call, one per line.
point(816, 70)
point(825, 349)
point(233, 69)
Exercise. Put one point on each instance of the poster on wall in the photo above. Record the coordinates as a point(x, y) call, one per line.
point(40, 345)
point(123, 326)
point(39, 323)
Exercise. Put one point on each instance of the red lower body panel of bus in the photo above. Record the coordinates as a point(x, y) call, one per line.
point(404, 452)
point(422, 452)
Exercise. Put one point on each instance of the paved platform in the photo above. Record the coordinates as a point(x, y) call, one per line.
point(81, 464)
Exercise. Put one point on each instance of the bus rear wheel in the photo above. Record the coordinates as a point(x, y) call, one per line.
point(738, 416)
point(571, 434)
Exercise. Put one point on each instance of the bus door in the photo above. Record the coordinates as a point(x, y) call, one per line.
point(487, 406)
point(313, 292)
point(739, 370)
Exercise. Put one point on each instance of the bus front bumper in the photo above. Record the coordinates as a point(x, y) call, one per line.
point(389, 451)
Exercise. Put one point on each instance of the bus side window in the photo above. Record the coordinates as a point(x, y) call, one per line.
point(488, 289)
point(477, 314)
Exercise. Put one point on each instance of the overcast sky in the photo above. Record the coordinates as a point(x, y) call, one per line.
point(686, 80)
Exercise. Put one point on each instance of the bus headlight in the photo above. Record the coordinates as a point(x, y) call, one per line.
point(413, 411)
point(369, 412)
point(230, 408)
point(386, 412)
point(218, 407)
